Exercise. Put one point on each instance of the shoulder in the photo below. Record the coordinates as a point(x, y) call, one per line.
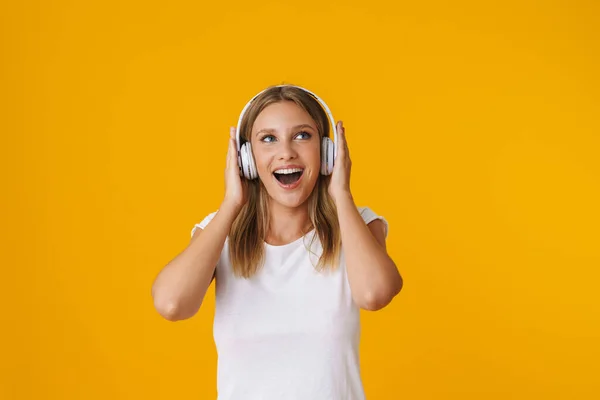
point(368, 215)
point(202, 224)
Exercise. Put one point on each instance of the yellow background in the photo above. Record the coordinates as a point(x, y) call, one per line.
point(473, 128)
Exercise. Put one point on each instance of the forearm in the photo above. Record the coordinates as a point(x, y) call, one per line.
point(373, 276)
point(180, 287)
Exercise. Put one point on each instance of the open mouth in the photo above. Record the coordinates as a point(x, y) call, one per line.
point(288, 177)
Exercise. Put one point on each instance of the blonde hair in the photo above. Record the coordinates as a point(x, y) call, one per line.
point(249, 229)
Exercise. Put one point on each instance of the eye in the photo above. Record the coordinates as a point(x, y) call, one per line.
point(308, 135)
point(267, 137)
point(271, 138)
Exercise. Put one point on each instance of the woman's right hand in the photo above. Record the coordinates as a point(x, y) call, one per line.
point(236, 187)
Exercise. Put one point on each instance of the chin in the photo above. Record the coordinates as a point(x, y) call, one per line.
point(290, 200)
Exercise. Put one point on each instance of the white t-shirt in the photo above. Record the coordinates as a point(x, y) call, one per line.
point(288, 332)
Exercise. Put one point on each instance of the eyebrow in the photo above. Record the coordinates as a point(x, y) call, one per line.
point(271, 130)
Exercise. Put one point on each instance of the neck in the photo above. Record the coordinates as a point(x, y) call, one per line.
point(287, 224)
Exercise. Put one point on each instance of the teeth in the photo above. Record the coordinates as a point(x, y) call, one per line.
point(288, 170)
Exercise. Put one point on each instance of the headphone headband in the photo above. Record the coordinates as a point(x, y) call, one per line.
point(330, 117)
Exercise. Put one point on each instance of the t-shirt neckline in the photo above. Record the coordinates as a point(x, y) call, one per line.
point(283, 246)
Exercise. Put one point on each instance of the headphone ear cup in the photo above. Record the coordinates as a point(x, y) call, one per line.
point(252, 170)
point(327, 155)
point(244, 158)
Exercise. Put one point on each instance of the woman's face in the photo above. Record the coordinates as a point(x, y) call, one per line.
point(286, 148)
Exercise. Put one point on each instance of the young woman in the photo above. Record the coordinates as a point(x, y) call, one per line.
point(293, 257)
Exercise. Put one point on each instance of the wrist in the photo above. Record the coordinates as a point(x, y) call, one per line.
point(230, 207)
point(344, 196)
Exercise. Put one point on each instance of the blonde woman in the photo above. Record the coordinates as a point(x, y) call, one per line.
point(293, 258)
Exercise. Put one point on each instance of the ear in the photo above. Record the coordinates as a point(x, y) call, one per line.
point(377, 228)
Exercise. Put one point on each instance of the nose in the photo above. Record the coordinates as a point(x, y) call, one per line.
point(287, 150)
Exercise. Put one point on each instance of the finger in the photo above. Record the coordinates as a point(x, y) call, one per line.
point(340, 137)
point(343, 136)
point(345, 141)
point(228, 152)
point(232, 144)
point(231, 152)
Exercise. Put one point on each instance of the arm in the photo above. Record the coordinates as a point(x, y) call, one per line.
point(373, 277)
point(372, 274)
point(179, 288)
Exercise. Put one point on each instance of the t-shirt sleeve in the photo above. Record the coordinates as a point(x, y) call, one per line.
point(369, 215)
point(202, 224)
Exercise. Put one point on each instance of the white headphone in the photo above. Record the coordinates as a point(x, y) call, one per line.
point(246, 159)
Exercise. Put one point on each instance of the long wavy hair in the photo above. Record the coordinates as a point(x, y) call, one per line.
point(249, 229)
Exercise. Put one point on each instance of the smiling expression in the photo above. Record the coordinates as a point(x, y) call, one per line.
point(285, 139)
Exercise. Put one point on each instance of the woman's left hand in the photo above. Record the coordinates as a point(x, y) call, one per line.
point(340, 177)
